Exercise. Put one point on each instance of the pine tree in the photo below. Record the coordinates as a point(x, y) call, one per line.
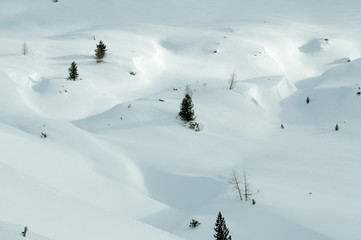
point(100, 51)
point(221, 229)
point(73, 72)
point(186, 109)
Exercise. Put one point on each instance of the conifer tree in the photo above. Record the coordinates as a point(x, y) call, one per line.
point(186, 109)
point(73, 72)
point(221, 229)
point(100, 51)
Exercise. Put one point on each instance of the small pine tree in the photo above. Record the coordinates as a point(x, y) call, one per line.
point(186, 109)
point(100, 51)
point(221, 229)
point(73, 72)
point(24, 49)
point(307, 100)
point(336, 127)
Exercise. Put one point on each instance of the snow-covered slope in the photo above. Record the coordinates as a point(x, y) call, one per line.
point(118, 163)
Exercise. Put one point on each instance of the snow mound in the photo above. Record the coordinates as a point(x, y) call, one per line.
point(267, 92)
point(278, 87)
point(334, 96)
point(139, 113)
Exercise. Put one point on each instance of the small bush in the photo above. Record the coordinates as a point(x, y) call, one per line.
point(194, 126)
point(194, 223)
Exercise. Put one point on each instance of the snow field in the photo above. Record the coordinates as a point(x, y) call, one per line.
point(118, 163)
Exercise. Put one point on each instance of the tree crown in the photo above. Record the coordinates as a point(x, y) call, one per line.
point(73, 71)
point(221, 229)
point(186, 109)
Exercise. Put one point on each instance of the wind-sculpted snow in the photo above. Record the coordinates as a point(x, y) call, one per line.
point(107, 156)
point(334, 97)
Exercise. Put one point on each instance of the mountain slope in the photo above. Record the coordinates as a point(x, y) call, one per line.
point(117, 161)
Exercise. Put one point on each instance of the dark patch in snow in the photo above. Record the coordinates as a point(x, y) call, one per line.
point(313, 46)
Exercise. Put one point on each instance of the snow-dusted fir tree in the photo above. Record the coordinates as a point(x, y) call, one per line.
point(222, 232)
point(100, 51)
point(186, 108)
point(73, 72)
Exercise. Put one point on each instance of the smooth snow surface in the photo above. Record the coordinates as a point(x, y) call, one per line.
point(118, 163)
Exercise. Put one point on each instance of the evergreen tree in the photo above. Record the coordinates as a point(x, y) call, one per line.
point(25, 50)
point(73, 72)
point(186, 109)
point(221, 229)
point(100, 51)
